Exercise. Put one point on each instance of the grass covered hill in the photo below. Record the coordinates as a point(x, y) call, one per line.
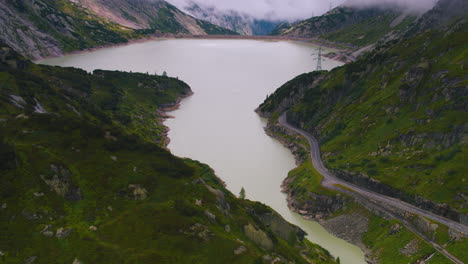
point(395, 120)
point(349, 25)
point(84, 178)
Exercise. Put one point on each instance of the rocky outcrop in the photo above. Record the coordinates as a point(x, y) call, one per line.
point(316, 206)
point(60, 181)
point(23, 35)
point(436, 140)
point(137, 192)
point(258, 237)
point(281, 227)
point(349, 227)
point(220, 196)
point(198, 230)
point(240, 250)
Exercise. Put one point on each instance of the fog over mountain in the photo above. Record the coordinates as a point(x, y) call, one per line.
point(299, 9)
point(413, 5)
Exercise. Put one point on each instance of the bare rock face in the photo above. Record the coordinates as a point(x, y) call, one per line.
point(258, 237)
point(23, 36)
point(198, 230)
point(47, 232)
point(141, 14)
point(348, 227)
point(210, 215)
point(220, 197)
point(281, 227)
point(63, 232)
point(240, 250)
point(77, 261)
point(61, 183)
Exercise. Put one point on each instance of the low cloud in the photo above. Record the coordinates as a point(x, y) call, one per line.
point(270, 9)
point(410, 5)
point(300, 9)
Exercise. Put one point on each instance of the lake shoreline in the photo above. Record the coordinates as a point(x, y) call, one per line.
point(323, 220)
point(313, 41)
point(163, 116)
point(217, 126)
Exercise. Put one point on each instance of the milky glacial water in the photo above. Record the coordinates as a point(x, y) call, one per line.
point(218, 125)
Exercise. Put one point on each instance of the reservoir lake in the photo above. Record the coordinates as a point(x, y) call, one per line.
point(218, 125)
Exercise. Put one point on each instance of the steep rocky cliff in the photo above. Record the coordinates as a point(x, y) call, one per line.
point(48, 27)
point(156, 15)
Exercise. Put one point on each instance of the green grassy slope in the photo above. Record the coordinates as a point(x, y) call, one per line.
point(84, 178)
point(396, 116)
point(352, 26)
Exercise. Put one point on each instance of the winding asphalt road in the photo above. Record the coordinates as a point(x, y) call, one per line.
point(332, 182)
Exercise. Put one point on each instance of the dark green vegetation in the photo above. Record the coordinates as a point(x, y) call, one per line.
point(85, 179)
point(50, 27)
point(396, 116)
point(352, 26)
point(386, 241)
point(393, 122)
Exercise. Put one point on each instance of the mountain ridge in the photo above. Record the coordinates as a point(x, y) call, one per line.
point(50, 27)
point(242, 23)
point(358, 26)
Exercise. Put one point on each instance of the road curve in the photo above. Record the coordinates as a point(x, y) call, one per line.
point(330, 181)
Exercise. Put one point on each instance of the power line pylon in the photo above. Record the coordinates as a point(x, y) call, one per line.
point(319, 58)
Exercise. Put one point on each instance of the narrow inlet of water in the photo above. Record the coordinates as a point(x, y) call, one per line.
point(218, 125)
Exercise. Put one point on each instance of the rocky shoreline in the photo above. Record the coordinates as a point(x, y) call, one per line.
point(348, 227)
point(163, 116)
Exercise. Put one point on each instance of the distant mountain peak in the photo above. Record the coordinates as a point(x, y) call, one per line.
point(231, 19)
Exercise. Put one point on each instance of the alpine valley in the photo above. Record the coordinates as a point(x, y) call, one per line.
point(86, 175)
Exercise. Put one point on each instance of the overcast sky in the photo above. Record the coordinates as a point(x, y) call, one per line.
point(295, 9)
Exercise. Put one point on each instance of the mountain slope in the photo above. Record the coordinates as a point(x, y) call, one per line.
point(84, 182)
point(351, 25)
point(49, 27)
point(395, 120)
point(242, 23)
point(156, 15)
